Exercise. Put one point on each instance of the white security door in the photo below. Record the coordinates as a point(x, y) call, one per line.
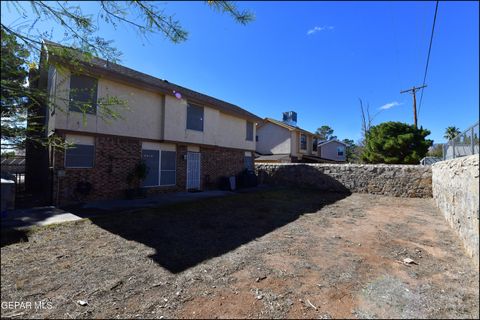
point(193, 170)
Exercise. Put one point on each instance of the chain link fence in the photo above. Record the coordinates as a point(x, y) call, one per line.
point(464, 144)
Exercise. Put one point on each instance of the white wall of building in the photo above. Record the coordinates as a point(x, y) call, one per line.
point(273, 139)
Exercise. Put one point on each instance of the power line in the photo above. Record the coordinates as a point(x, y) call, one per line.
point(428, 57)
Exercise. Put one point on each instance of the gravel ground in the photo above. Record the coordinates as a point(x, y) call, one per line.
point(284, 253)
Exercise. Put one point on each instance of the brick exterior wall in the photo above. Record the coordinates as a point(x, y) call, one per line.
point(216, 162)
point(116, 157)
point(219, 162)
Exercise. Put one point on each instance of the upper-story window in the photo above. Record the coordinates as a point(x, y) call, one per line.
point(340, 151)
point(315, 143)
point(194, 117)
point(249, 136)
point(83, 94)
point(303, 141)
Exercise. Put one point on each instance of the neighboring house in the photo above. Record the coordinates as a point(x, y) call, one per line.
point(332, 150)
point(283, 141)
point(428, 161)
point(188, 140)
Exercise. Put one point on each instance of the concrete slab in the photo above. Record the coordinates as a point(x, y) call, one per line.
point(38, 216)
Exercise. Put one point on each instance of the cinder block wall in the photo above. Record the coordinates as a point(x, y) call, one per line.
point(456, 191)
point(410, 181)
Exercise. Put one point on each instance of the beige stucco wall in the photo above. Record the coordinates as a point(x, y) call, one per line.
point(147, 115)
point(273, 139)
point(141, 116)
point(232, 131)
point(296, 151)
point(219, 129)
point(329, 151)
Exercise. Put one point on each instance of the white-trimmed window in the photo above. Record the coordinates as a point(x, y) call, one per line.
point(249, 135)
point(340, 151)
point(303, 141)
point(82, 153)
point(161, 163)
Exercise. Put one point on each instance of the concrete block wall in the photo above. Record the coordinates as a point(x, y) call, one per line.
point(391, 180)
point(455, 185)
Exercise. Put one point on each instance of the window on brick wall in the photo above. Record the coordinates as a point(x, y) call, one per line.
point(161, 167)
point(81, 153)
point(83, 94)
point(168, 168)
point(249, 136)
point(80, 156)
point(248, 162)
point(194, 117)
point(303, 142)
point(152, 161)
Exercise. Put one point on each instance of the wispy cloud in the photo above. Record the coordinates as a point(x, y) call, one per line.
point(318, 29)
point(390, 105)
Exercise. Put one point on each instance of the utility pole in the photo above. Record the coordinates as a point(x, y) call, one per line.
point(413, 91)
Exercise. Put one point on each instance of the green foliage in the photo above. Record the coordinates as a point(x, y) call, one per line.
point(436, 151)
point(14, 90)
point(395, 143)
point(325, 133)
point(8, 154)
point(138, 174)
point(451, 132)
point(350, 150)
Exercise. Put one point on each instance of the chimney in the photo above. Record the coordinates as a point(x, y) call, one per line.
point(290, 118)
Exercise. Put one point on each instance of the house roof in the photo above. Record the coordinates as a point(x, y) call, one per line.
point(286, 126)
point(322, 143)
point(105, 67)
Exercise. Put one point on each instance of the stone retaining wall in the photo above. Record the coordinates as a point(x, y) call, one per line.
point(391, 180)
point(456, 193)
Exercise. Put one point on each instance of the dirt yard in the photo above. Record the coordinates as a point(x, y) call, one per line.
point(285, 253)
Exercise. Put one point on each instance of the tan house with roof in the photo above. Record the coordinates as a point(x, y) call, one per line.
point(283, 141)
point(187, 140)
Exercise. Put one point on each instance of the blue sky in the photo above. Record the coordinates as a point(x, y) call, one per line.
point(318, 58)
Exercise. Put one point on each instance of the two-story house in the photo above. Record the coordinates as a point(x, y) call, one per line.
point(187, 140)
point(284, 141)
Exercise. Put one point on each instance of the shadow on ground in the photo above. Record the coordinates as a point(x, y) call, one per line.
point(12, 236)
point(184, 235)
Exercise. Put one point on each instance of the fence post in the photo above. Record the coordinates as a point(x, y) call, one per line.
point(472, 142)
